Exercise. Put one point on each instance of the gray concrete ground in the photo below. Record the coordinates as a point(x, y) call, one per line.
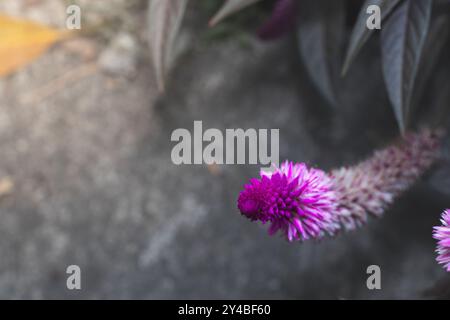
point(94, 185)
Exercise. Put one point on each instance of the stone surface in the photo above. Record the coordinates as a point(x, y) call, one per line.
point(120, 58)
point(94, 184)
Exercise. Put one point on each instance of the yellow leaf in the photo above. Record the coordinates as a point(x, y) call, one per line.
point(22, 41)
point(6, 186)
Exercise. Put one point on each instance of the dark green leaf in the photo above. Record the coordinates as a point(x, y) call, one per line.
point(320, 37)
point(361, 33)
point(435, 42)
point(164, 19)
point(230, 7)
point(402, 41)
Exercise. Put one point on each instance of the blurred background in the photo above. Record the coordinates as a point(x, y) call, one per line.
point(86, 176)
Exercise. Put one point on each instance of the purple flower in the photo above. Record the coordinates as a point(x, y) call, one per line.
point(283, 19)
point(294, 199)
point(308, 203)
point(442, 235)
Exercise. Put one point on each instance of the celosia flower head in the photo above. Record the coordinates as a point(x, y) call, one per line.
point(294, 199)
point(308, 203)
point(442, 235)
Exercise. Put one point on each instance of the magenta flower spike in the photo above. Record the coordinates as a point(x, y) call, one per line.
point(442, 235)
point(294, 199)
point(306, 203)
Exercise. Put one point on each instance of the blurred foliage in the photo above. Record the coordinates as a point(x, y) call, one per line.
point(405, 46)
point(413, 33)
point(164, 17)
point(229, 7)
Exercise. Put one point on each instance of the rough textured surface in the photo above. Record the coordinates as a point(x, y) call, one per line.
point(94, 184)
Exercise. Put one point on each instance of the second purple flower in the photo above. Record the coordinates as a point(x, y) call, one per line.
point(442, 235)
